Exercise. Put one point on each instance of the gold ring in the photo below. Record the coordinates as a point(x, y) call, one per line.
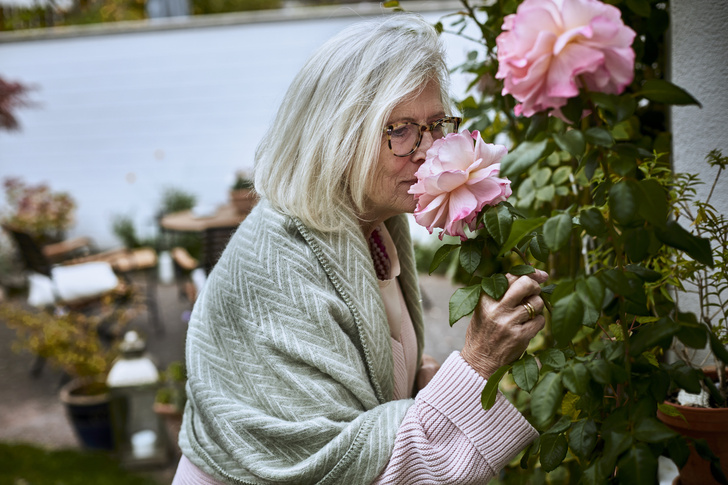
point(529, 308)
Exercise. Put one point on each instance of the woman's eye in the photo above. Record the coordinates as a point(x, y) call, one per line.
point(400, 132)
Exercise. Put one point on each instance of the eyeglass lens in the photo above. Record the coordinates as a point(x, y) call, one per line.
point(405, 137)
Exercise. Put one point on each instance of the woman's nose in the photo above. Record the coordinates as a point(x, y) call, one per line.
point(425, 143)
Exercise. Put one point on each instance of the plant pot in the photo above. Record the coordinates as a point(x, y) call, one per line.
point(243, 200)
point(710, 424)
point(87, 405)
point(173, 422)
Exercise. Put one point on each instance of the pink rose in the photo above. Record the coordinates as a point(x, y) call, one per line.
point(551, 48)
point(458, 179)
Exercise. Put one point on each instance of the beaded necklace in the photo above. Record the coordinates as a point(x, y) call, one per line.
point(382, 265)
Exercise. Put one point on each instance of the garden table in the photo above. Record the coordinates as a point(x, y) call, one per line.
point(215, 227)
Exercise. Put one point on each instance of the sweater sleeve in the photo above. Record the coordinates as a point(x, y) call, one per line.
point(446, 437)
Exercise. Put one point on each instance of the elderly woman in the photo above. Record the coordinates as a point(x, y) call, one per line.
point(305, 347)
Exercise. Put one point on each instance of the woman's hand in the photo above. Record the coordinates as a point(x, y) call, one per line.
point(500, 330)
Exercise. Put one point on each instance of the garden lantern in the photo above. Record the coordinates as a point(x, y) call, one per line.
point(139, 434)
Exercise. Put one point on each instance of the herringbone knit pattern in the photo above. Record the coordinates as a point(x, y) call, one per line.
point(289, 356)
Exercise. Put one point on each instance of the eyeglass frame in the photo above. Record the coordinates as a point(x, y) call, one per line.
point(422, 128)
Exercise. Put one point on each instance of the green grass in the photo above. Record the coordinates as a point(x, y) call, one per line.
point(29, 465)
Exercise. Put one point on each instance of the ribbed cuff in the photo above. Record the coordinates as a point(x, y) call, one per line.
point(499, 434)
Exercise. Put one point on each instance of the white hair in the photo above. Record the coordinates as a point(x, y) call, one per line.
point(321, 149)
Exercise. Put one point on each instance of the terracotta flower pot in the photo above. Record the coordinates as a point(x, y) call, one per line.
point(710, 424)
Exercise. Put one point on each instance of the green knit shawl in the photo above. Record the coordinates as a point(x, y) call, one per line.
point(289, 356)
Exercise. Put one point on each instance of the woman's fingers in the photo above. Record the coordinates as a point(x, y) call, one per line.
point(533, 305)
point(520, 289)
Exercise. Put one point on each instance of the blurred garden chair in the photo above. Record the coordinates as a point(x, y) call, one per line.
point(59, 278)
point(190, 275)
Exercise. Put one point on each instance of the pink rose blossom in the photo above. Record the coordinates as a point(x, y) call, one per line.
point(458, 179)
point(551, 48)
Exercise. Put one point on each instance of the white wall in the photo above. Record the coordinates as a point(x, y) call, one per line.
point(700, 65)
point(121, 116)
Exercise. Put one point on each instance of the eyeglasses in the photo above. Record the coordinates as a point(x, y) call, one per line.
point(404, 138)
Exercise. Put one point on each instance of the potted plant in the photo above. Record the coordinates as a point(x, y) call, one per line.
point(37, 210)
point(83, 347)
point(242, 193)
point(171, 398)
point(593, 204)
point(701, 412)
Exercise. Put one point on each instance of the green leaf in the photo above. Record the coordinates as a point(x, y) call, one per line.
point(495, 286)
point(651, 430)
point(539, 250)
point(522, 269)
point(590, 163)
point(546, 398)
point(637, 243)
point(561, 175)
point(593, 222)
point(594, 290)
point(684, 376)
point(539, 123)
point(566, 318)
point(498, 221)
point(561, 425)
point(678, 450)
point(572, 141)
point(521, 159)
point(653, 205)
point(640, 7)
point(671, 411)
point(637, 467)
point(553, 358)
point(576, 378)
point(556, 231)
point(645, 274)
point(718, 348)
point(391, 4)
point(441, 255)
point(573, 109)
point(624, 201)
point(470, 253)
point(553, 451)
point(520, 228)
point(626, 284)
point(693, 335)
point(623, 165)
point(663, 91)
point(592, 475)
point(527, 456)
point(599, 136)
point(715, 394)
point(541, 176)
point(696, 247)
point(600, 371)
point(626, 105)
point(525, 372)
point(583, 438)
point(652, 334)
point(463, 302)
point(490, 391)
